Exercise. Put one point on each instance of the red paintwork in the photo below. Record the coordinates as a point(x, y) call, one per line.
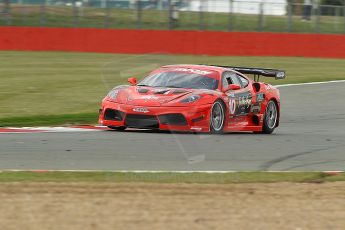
point(172, 42)
point(158, 104)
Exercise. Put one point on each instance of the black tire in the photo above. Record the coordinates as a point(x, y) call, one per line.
point(217, 117)
point(270, 118)
point(119, 128)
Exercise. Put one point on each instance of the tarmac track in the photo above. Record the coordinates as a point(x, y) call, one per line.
point(311, 137)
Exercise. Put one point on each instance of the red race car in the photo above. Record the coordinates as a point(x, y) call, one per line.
point(196, 98)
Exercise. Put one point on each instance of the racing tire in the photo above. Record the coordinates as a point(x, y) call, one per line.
point(119, 128)
point(270, 118)
point(217, 117)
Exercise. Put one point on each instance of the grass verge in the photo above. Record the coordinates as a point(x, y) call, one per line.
point(166, 177)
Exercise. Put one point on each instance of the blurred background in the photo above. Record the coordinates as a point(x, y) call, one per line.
point(305, 16)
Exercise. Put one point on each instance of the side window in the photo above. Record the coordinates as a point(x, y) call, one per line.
point(244, 81)
point(231, 78)
point(235, 80)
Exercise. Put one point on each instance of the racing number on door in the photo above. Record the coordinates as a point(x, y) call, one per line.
point(239, 104)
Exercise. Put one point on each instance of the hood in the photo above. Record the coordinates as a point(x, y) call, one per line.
point(148, 96)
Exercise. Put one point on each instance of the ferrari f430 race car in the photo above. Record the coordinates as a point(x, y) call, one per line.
point(196, 98)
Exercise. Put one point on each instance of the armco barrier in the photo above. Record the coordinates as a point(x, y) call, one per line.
point(173, 42)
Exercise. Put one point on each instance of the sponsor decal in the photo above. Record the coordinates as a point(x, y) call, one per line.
point(239, 104)
point(260, 97)
point(149, 97)
point(256, 108)
point(280, 75)
point(245, 101)
point(239, 119)
point(196, 71)
point(141, 110)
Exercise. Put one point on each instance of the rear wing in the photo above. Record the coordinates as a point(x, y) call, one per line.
point(257, 72)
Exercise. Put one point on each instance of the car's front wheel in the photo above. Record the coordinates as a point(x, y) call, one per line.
point(217, 118)
point(117, 127)
point(270, 118)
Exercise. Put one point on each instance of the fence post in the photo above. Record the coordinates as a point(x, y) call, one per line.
point(261, 17)
point(107, 15)
point(23, 15)
point(7, 12)
point(43, 13)
point(160, 5)
point(75, 14)
point(337, 15)
point(103, 3)
point(344, 15)
point(201, 15)
point(230, 19)
point(289, 8)
point(170, 15)
point(317, 15)
point(139, 14)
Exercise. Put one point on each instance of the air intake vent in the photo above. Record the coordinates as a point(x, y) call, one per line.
point(142, 90)
point(113, 115)
point(179, 91)
point(162, 91)
point(141, 121)
point(173, 119)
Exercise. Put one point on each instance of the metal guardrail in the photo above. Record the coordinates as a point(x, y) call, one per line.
point(222, 15)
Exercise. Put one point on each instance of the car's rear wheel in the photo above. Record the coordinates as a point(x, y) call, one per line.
point(270, 118)
point(117, 127)
point(217, 118)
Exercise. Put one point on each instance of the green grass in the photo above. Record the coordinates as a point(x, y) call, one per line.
point(46, 88)
point(62, 16)
point(193, 177)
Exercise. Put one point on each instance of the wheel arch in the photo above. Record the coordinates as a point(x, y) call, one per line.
point(221, 101)
point(225, 106)
point(278, 108)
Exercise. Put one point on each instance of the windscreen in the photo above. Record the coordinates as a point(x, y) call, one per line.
point(176, 79)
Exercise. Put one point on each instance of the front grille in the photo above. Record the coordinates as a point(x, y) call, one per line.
point(141, 121)
point(113, 115)
point(173, 119)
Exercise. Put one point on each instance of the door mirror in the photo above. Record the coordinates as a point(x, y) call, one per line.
point(132, 80)
point(232, 87)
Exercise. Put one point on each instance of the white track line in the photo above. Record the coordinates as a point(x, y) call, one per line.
point(310, 83)
point(57, 129)
point(156, 171)
point(17, 130)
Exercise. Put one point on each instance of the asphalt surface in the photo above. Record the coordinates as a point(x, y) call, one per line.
point(311, 137)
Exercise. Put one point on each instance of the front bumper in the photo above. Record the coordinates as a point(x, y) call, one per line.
point(193, 118)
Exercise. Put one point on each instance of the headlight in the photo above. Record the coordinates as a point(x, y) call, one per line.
point(190, 99)
point(113, 93)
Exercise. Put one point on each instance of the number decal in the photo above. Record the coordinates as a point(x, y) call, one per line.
point(232, 104)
